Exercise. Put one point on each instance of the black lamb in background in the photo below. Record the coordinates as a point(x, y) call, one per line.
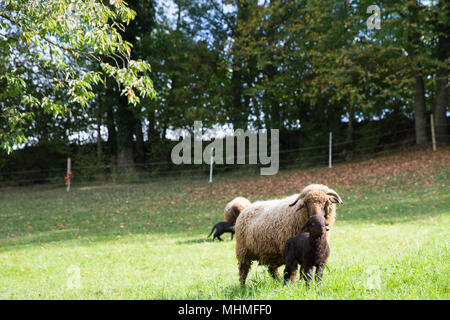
point(222, 227)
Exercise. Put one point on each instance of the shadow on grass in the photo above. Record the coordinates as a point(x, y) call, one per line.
point(102, 215)
point(194, 241)
point(201, 240)
point(254, 287)
point(237, 292)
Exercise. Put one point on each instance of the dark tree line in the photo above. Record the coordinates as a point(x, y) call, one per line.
point(304, 67)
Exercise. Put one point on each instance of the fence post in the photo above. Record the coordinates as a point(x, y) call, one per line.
point(433, 137)
point(211, 166)
point(330, 150)
point(69, 173)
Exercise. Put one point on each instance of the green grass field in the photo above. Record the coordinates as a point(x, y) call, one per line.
point(148, 241)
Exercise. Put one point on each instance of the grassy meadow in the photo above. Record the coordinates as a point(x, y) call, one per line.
point(148, 241)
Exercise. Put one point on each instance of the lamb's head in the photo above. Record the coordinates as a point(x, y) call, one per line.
point(316, 226)
point(317, 199)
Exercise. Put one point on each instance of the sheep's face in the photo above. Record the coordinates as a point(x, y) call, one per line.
point(315, 207)
point(316, 203)
point(316, 226)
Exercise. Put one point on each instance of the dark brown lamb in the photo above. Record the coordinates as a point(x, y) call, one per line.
point(309, 249)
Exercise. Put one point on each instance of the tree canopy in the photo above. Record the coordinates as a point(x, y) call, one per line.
point(47, 49)
point(304, 67)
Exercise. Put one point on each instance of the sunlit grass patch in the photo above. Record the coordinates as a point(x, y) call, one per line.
point(149, 241)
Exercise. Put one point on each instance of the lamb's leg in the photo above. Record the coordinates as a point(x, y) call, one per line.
point(273, 271)
point(287, 274)
point(302, 272)
point(294, 273)
point(309, 273)
point(232, 234)
point(319, 273)
point(290, 271)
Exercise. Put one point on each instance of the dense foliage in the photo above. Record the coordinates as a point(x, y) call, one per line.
point(304, 67)
point(47, 49)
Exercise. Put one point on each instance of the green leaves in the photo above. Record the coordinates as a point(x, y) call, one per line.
point(81, 88)
point(66, 37)
point(134, 80)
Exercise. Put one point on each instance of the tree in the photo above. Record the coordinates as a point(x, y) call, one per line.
point(64, 36)
point(441, 30)
point(129, 120)
point(189, 68)
point(413, 46)
point(420, 30)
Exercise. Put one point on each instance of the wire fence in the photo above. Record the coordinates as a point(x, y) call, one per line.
point(306, 157)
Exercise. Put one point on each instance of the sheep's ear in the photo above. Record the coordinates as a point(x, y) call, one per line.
point(295, 202)
point(306, 226)
point(335, 196)
point(236, 210)
point(335, 200)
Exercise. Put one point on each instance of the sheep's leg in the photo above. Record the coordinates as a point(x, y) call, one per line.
point(232, 234)
point(244, 261)
point(244, 268)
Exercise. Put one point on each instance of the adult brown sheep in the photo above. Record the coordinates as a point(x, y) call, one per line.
point(234, 208)
point(263, 227)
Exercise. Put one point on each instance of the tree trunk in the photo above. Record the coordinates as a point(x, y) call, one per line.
point(414, 51)
point(125, 124)
point(125, 160)
point(112, 133)
point(153, 134)
point(440, 107)
point(240, 111)
point(419, 109)
point(351, 116)
point(99, 138)
point(236, 94)
point(441, 102)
